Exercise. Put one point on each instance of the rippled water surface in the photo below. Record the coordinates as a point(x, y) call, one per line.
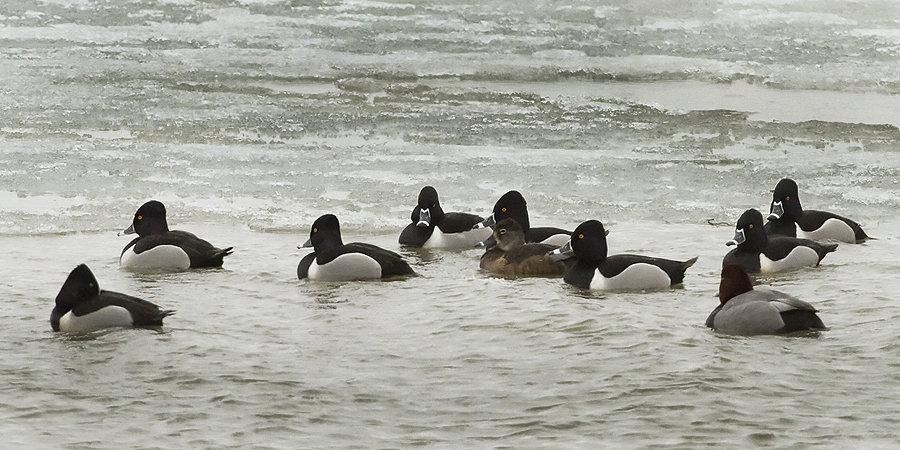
point(249, 119)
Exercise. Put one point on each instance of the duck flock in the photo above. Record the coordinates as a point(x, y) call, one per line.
point(791, 237)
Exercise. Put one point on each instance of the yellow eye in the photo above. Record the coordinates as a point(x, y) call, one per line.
point(315, 230)
point(140, 217)
point(750, 226)
point(581, 236)
point(503, 209)
point(788, 198)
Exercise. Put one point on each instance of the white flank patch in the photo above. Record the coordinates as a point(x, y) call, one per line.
point(635, 276)
point(159, 257)
point(347, 267)
point(465, 240)
point(557, 239)
point(108, 317)
point(832, 229)
point(800, 256)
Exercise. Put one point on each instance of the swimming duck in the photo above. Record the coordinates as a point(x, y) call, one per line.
point(512, 205)
point(785, 213)
point(332, 260)
point(756, 252)
point(431, 227)
point(593, 269)
point(156, 247)
point(81, 306)
point(746, 311)
point(507, 253)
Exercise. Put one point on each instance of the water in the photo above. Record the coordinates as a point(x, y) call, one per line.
point(249, 119)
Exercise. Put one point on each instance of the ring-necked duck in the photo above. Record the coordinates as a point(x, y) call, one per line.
point(746, 311)
point(81, 306)
point(431, 227)
point(507, 253)
point(756, 252)
point(593, 269)
point(332, 260)
point(785, 214)
point(156, 247)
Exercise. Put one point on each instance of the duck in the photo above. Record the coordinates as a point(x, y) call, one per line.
point(745, 311)
point(507, 253)
point(513, 205)
point(757, 252)
point(785, 214)
point(332, 260)
point(81, 306)
point(593, 269)
point(431, 227)
point(156, 247)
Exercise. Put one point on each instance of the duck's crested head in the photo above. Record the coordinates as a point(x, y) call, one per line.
point(81, 285)
point(512, 204)
point(589, 241)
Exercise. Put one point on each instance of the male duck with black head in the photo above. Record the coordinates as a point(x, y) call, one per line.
point(593, 269)
point(512, 205)
point(431, 227)
point(157, 247)
point(745, 311)
point(507, 253)
point(332, 260)
point(785, 214)
point(757, 252)
point(81, 306)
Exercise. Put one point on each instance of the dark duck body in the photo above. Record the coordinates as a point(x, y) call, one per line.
point(156, 247)
point(757, 252)
point(507, 253)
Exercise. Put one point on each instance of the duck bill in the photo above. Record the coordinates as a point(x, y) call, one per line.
point(487, 223)
point(424, 218)
point(129, 230)
point(738, 239)
point(776, 212)
point(488, 243)
point(307, 244)
point(564, 252)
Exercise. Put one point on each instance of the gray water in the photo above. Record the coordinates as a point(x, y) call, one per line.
point(249, 119)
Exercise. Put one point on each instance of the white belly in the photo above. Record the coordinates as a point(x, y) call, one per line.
point(464, 240)
point(634, 277)
point(347, 267)
point(800, 256)
point(160, 257)
point(108, 317)
point(832, 229)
